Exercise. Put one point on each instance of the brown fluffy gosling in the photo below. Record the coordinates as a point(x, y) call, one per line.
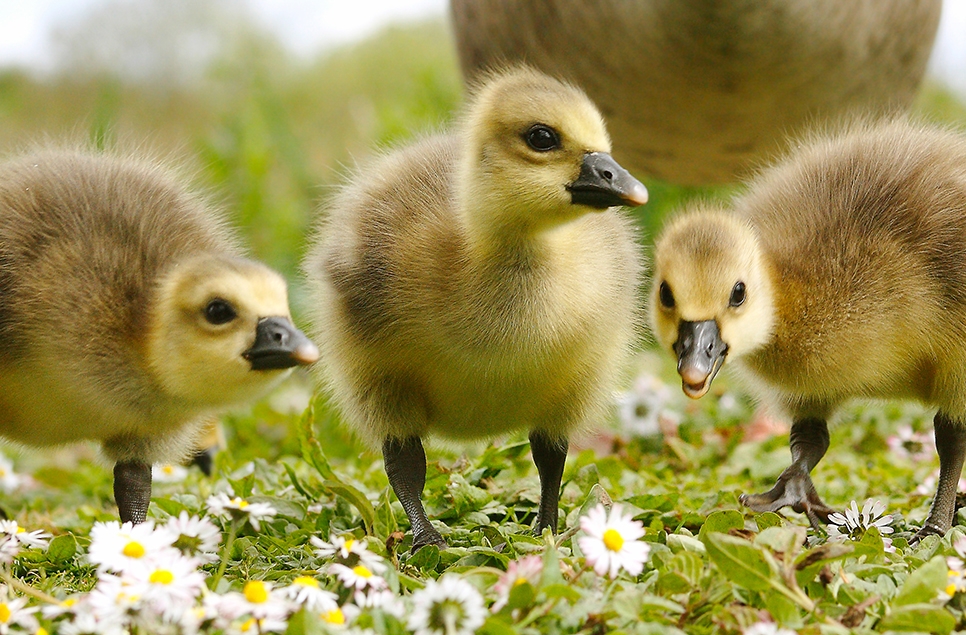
point(127, 314)
point(842, 274)
point(481, 282)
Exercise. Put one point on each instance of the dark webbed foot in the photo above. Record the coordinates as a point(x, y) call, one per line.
point(808, 442)
point(549, 455)
point(132, 490)
point(951, 446)
point(405, 462)
point(795, 489)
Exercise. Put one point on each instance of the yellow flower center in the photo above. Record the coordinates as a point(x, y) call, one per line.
point(133, 549)
point(41, 631)
point(3, 472)
point(168, 469)
point(4, 613)
point(161, 576)
point(304, 580)
point(349, 543)
point(361, 571)
point(256, 592)
point(951, 590)
point(519, 581)
point(613, 540)
point(335, 616)
point(242, 503)
point(248, 625)
point(21, 530)
point(69, 602)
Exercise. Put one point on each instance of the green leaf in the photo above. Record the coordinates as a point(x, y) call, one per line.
point(558, 591)
point(920, 618)
point(783, 610)
point(310, 446)
point(722, 522)
point(304, 623)
point(425, 559)
point(62, 548)
point(740, 561)
point(495, 626)
point(521, 595)
point(765, 520)
point(355, 498)
point(924, 584)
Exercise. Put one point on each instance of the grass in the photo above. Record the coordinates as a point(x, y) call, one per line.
point(271, 143)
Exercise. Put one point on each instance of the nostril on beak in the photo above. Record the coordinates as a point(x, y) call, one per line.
point(607, 174)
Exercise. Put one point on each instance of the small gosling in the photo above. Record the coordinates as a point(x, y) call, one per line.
point(842, 274)
point(127, 314)
point(480, 282)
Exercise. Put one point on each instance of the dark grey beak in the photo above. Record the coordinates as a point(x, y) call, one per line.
point(603, 183)
point(701, 354)
point(278, 344)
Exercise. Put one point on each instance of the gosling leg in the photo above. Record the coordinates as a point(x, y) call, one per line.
point(405, 462)
point(549, 455)
point(951, 446)
point(132, 490)
point(808, 441)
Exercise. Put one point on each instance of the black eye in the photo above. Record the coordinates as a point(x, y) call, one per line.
point(667, 298)
point(219, 311)
point(737, 295)
point(542, 138)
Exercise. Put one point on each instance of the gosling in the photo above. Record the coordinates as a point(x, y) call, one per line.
point(127, 314)
point(481, 282)
point(842, 274)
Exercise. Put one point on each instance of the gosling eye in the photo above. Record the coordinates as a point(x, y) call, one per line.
point(667, 298)
point(219, 311)
point(737, 294)
point(542, 138)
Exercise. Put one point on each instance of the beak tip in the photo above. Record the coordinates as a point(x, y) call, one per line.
point(306, 353)
point(638, 195)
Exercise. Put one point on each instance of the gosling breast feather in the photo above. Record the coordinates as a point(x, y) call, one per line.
point(841, 274)
point(127, 313)
point(478, 282)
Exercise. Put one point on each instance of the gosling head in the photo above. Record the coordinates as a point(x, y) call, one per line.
point(220, 332)
point(537, 154)
point(711, 296)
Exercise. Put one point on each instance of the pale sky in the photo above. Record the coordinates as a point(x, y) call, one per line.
point(308, 26)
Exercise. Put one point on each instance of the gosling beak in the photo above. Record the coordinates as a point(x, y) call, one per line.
point(603, 183)
point(701, 354)
point(278, 344)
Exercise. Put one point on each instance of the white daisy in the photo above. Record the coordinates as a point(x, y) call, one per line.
point(853, 524)
point(611, 543)
point(641, 407)
point(259, 600)
point(10, 481)
point(306, 591)
point(526, 570)
point(384, 600)
point(37, 539)
point(194, 536)
point(168, 473)
point(9, 549)
point(115, 547)
point(912, 445)
point(87, 623)
point(448, 606)
point(766, 628)
point(168, 589)
point(359, 576)
point(256, 626)
point(343, 546)
point(239, 509)
point(15, 613)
